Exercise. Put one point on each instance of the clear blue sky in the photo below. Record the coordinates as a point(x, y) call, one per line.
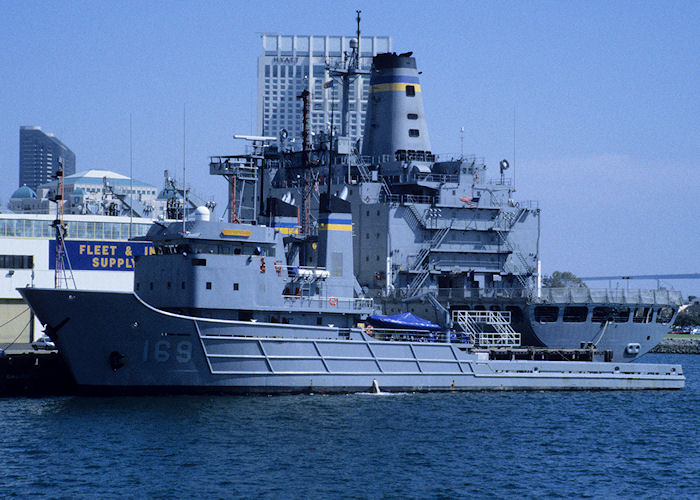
point(606, 97)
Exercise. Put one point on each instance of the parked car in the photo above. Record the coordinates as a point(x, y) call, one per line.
point(44, 343)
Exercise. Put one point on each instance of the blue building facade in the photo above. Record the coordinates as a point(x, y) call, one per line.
point(39, 157)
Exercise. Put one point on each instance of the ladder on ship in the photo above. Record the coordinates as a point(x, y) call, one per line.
point(487, 328)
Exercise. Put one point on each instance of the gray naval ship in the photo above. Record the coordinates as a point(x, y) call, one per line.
point(432, 235)
point(313, 282)
point(229, 307)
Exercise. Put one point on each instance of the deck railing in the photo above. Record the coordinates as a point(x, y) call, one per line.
point(339, 303)
point(556, 295)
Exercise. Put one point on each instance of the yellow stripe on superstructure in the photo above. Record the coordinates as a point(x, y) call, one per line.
point(235, 232)
point(335, 227)
point(288, 230)
point(389, 87)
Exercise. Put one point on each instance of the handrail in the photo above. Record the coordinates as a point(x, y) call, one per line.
point(332, 302)
point(580, 295)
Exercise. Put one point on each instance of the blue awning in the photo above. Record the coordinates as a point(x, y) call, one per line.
point(405, 320)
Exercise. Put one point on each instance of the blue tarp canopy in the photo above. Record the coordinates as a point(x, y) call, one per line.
point(404, 320)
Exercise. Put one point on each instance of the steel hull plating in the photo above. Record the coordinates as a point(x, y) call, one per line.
point(114, 340)
point(615, 337)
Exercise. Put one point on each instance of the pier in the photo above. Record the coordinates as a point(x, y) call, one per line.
point(34, 373)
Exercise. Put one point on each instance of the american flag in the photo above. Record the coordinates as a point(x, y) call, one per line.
point(471, 201)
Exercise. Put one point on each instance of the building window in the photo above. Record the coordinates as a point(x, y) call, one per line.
point(410, 90)
point(16, 261)
point(413, 132)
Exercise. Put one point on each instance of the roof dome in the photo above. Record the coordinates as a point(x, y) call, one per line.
point(25, 192)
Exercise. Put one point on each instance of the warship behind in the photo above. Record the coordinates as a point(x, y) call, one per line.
point(433, 235)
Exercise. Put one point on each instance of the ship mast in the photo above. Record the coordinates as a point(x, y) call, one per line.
point(60, 230)
point(347, 75)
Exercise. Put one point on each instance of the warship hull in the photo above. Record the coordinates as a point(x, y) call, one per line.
point(115, 341)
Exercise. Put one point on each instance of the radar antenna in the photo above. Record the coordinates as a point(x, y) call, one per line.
point(347, 74)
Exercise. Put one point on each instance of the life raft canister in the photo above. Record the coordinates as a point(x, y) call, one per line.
point(262, 265)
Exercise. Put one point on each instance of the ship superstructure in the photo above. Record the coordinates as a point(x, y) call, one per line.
point(223, 307)
point(431, 234)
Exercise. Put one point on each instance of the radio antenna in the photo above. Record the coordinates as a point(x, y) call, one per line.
point(131, 179)
point(513, 173)
point(184, 166)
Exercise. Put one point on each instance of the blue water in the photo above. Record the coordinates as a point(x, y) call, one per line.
point(514, 444)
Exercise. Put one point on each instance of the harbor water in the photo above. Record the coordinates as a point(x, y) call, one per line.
point(475, 444)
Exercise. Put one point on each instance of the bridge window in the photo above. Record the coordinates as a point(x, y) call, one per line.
point(516, 314)
point(642, 315)
point(410, 90)
point(664, 315)
point(575, 314)
point(546, 314)
point(412, 116)
point(413, 132)
point(601, 314)
point(621, 315)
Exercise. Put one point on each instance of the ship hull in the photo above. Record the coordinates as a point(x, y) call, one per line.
point(627, 341)
point(616, 337)
point(114, 341)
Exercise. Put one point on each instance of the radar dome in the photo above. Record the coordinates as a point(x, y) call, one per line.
point(202, 213)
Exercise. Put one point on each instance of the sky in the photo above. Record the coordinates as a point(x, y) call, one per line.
point(596, 104)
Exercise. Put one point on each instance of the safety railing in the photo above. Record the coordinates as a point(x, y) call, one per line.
point(556, 295)
point(404, 199)
point(441, 178)
point(401, 335)
point(609, 295)
point(328, 303)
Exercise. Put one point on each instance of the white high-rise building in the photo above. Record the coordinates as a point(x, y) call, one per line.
point(291, 63)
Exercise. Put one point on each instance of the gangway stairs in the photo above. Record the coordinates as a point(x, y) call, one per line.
point(487, 328)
